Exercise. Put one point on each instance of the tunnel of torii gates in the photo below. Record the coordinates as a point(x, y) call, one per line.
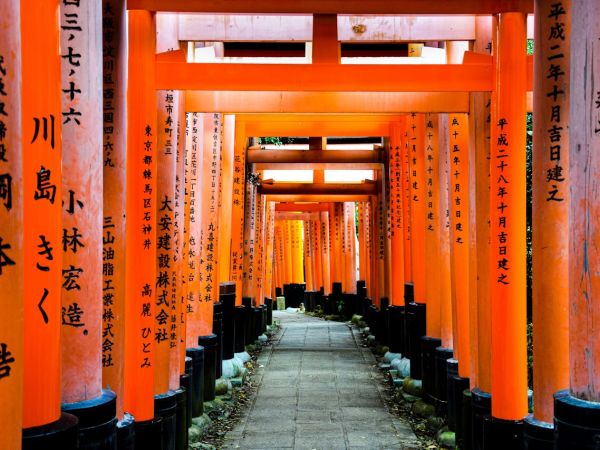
point(136, 223)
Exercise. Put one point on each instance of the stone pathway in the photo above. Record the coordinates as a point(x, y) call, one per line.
point(318, 389)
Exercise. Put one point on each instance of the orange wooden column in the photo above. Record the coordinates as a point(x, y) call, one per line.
point(82, 162)
point(416, 136)
point(578, 407)
point(507, 205)
point(259, 234)
point(298, 251)
point(114, 199)
point(192, 226)
point(432, 230)
point(443, 223)
point(249, 238)
point(269, 258)
point(368, 247)
point(316, 250)
point(167, 274)
point(458, 177)
point(326, 252)
point(226, 196)
point(41, 117)
point(350, 219)
point(141, 236)
point(406, 204)
point(287, 251)
point(11, 234)
point(278, 252)
point(308, 256)
point(550, 209)
point(479, 248)
point(237, 209)
point(361, 242)
point(335, 239)
point(378, 254)
point(212, 129)
point(396, 214)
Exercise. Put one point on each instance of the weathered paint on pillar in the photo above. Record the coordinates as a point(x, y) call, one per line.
point(308, 256)
point(11, 234)
point(225, 205)
point(584, 209)
point(479, 247)
point(443, 223)
point(350, 233)
point(406, 204)
point(334, 238)
point(369, 246)
point(194, 143)
point(269, 278)
point(432, 230)
point(115, 163)
point(396, 214)
point(166, 317)
point(212, 127)
point(81, 330)
point(316, 250)
point(42, 119)
point(259, 233)
point(416, 136)
point(250, 236)
point(458, 149)
point(550, 208)
point(237, 209)
point(508, 223)
point(326, 255)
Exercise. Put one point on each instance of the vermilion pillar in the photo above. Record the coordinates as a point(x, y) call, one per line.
point(41, 125)
point(82, 206)
point(308, 256)
point(259, 234)
point(550, 210)
point(406, 205)
point(576, 411)
point(297, 248)
point(269, 278)
point(326, 255)
point(114, 198)
point(508, 247)
point(250, 236)
point(225, 203)
point(397, 222)
point(11, 236)
point(237, 209)
point(317, 250)
point(141, 236)
point(349, 248)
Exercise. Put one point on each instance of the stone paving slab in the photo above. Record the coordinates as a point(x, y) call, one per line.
point(318, 389)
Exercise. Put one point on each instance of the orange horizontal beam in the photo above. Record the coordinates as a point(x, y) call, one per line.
point(299, 102)
point(324, 77)
point(301, 207)
point(336, 6)
point(315, 156)
point(316, 198)
point(318, 128)
point(317, 189)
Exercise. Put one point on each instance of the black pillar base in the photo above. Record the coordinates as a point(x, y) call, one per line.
point(185, 381)
point(148, 434)
point(209, 342)
point(240, 329)
point(441, 380)
point(181, 439)
point(464, 437)
point(576, 422)
point(409, 293)
point(197, 355)
point(165, 407)
point(269, 303)
point(382, 325)
point(499, 434)
point(481, 410)
point(428, 346)
point(97, 421)
point(456, 385)
point(227, 298)
point(62, 434)
point(538, 435)
point(257, 320)
point(248, 320)
point(416, 330)
point(218, 330)
point(396, 328)
point(126, 433)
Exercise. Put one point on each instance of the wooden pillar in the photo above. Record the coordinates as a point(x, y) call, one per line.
point(308, 256)
point(141, 236)
point(458, 149)
point(41, 117)
point(237, 209)
point(550, 208)
point(298, 254)
point(193, 225)
point(212, 127)
point(11, 236)
point(259, 234)
point(416, 135)
point(225, 205)
point(287, 251)
point(479, 194)
point(406, 205)
point(443, 223)
point(82, 161)
point(114, 198)
point(326, 255)
point(396, 214)
point(351, 231)
point(269, 255)
point(317, 250)
point(249, 238)
point(432, 230)
point(507, 205)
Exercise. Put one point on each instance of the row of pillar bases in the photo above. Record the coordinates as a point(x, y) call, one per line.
point(93, 424)
point(467, 409)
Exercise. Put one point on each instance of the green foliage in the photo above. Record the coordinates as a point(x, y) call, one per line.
point(275, 140)
point(530, 46)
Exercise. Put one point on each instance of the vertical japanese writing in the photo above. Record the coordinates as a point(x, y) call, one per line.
point(501, 152)
point(72, 21)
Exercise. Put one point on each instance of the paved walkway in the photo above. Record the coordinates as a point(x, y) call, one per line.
point(318, 390)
